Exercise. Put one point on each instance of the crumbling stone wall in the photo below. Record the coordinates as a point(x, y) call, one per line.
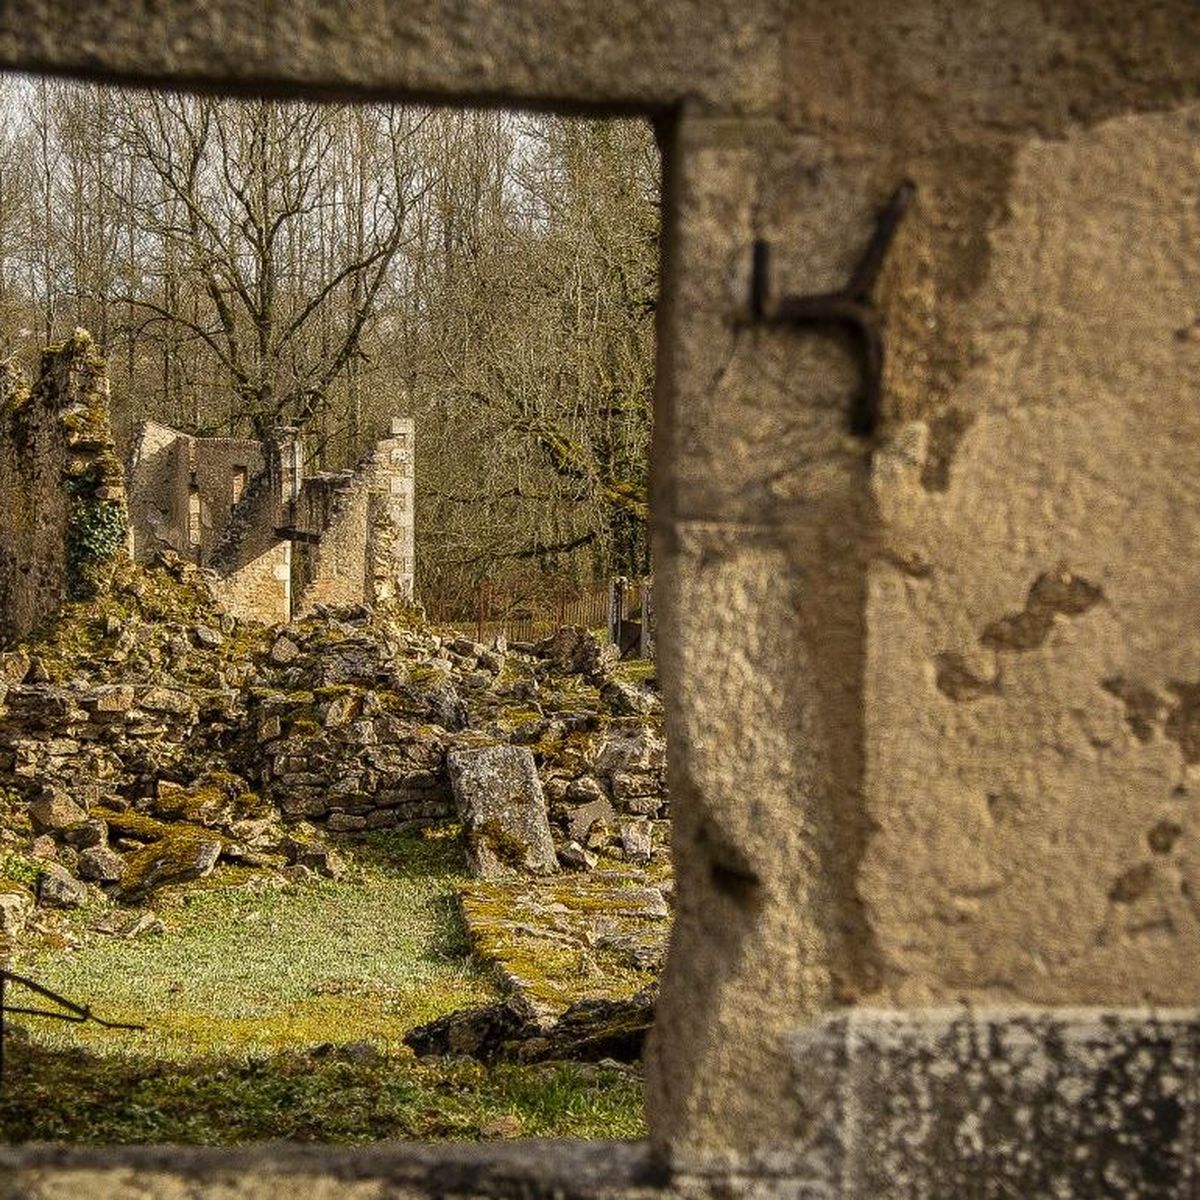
point(61, 486)
point(254, 562)
point(364, 520)
point(288, 542)
point(260, 588)
point(167, 468)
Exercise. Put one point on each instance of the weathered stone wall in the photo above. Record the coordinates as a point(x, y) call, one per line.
point(214, 465)
point(1033, 686)
point(969, 602)
point(364, 521)
point(252, 562)
point(166, 466)
point(260, 588)
point(111, 745)
point(61, 487)
point(154, 518)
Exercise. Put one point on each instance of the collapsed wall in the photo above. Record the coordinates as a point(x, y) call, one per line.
point(360, 529)
point(146, 717)
point(62, 490)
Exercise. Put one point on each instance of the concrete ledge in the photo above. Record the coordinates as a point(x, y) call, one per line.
point(529, 1170)
point(1001, 1103)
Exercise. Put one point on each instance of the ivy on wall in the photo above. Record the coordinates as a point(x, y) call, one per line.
point(98, 533)
point(62, 491)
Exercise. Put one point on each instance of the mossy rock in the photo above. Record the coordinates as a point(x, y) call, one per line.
point(182, 854)
point(537, 937)
point(201, 806)
point(213, 800)
point(132, 824)
point(510, 850)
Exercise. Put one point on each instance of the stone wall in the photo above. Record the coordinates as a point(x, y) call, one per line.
point(260, 588)
point(215, 467)
point(166, 469)
point(155, 520)
point(113, 745)
point(61, 487)
point(364, 521)
point(288, 542)
point(255, 564)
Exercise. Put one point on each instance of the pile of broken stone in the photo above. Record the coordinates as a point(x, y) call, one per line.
point(149, 737)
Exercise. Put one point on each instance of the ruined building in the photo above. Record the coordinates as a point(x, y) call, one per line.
point(280, 541)
point(62, 491)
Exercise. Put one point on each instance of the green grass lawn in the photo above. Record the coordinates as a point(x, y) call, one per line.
point(251, 999)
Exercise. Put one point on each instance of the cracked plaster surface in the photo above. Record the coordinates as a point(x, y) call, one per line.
point(1029, 743)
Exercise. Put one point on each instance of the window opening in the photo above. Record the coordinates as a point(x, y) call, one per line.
point(194, 515)
point(394, 368)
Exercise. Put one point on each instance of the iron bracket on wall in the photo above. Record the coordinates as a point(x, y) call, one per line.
point(850, 306)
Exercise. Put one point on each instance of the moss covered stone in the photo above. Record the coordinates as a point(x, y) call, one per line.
point(179, 855)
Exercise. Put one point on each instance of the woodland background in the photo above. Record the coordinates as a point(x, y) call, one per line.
point(244, 264)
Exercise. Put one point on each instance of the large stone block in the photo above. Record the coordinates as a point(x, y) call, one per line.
point(1032, 649)
point(619, 54)
point(1069, 1103)
point(503, 810)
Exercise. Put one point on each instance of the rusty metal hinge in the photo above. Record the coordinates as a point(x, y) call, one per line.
point(851, 306)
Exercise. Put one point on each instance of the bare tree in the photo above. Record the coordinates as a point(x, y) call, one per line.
point(246, 264)
point(242, 202)
point(548, 343)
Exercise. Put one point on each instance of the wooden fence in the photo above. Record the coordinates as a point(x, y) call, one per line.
point(523, 619)
point(615, 608)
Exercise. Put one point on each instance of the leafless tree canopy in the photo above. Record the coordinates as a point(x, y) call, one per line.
point(249, 263)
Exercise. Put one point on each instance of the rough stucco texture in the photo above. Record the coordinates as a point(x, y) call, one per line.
point(607, 54)
point(996, 1104)
point(1034, 660)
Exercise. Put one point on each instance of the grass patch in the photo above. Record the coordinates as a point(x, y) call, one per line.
point(635, 670)
point(259, 1000)
point(251, 969)
point(75, 1095)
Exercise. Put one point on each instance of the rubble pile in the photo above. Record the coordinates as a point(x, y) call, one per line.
point(148, 736)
